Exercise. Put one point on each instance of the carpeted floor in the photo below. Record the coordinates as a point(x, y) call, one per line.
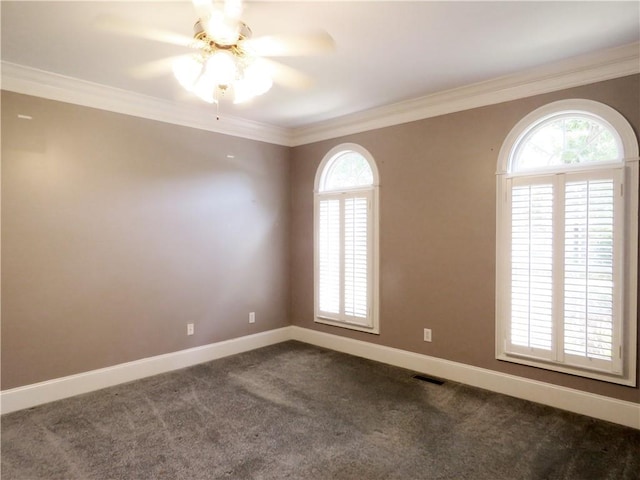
point(300, 412)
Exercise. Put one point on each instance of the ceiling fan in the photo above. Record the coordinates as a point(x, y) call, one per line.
point(227, 62)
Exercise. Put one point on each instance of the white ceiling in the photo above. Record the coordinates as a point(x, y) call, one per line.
point(386, 51)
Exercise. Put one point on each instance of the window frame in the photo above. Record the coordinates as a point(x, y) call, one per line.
point(628, 164)
point(371, 192)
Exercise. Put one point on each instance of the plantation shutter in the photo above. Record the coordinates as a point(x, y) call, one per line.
point(592, 256)
point(344, 257)
point(563, 301)
point(356, 257)
point(531, 266)
point(329, 256)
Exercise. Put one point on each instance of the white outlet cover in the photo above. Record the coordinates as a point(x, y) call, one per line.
point(427, 334)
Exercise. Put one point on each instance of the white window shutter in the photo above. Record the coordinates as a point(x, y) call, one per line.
point(591, 257)
point(563, 304)
point(531, 266)
point(344, 258)
point(329, 254)
point(356, 257)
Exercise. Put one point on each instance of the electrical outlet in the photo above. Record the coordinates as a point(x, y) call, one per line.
point(252, 317)
point(189, 328)
point(427, 334)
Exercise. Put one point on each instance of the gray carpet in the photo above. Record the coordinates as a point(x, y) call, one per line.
point(300, 412)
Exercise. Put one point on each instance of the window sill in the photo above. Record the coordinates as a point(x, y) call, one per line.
point(580, 372)
point(348, 325)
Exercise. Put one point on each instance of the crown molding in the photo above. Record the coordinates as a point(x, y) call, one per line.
point(39, 83)
point(574, 72)
point(583, 70)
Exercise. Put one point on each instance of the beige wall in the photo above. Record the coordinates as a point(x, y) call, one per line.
point(437, 230)
point(118, 231)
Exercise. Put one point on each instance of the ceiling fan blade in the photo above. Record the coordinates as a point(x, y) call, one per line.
point(230, 8)
point(233, 9)
point(124, 27)
point(286, 76)
point(156, 68)
point(290, 45)
point(203, 8)
point(220, 19)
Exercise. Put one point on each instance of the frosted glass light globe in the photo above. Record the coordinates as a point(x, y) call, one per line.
point(255, 81)
point(221, 67)
point(187, 70)
point(204, 88)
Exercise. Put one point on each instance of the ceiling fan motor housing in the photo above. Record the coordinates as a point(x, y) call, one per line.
point(200, 34)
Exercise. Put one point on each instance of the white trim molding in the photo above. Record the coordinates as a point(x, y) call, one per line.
point(591, 68)
point(39, 83)
point(574, 72)
point(584, 403)
point(44, 392)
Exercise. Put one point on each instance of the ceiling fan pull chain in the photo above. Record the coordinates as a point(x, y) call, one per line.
point(220, 92)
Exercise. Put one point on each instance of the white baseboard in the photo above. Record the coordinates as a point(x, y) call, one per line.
point(59, 388)
point(597, 406)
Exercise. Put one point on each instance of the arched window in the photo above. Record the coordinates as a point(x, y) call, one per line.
point(346, 239)
point(566, 139)
point(567, 242)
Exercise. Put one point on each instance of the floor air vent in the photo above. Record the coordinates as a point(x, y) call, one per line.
point(437, 381)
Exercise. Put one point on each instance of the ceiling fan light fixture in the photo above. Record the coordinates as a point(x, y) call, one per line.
point(246, 89)
point(205, 89)
point(223, 30)
point(222, 68)
point(231, 65)
point(256, 80)
point(187, 70)
point(233, 8)
point(210, 77)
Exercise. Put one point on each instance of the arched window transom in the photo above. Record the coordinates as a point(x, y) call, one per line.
point(347, 169)
point(564, 140)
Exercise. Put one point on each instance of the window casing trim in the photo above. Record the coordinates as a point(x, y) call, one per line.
point(587, 167)
point(629, 165)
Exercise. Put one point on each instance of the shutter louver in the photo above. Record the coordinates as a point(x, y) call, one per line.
point(356, 257)
point(589, 261)
point(329, 256)
point(531, 266)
